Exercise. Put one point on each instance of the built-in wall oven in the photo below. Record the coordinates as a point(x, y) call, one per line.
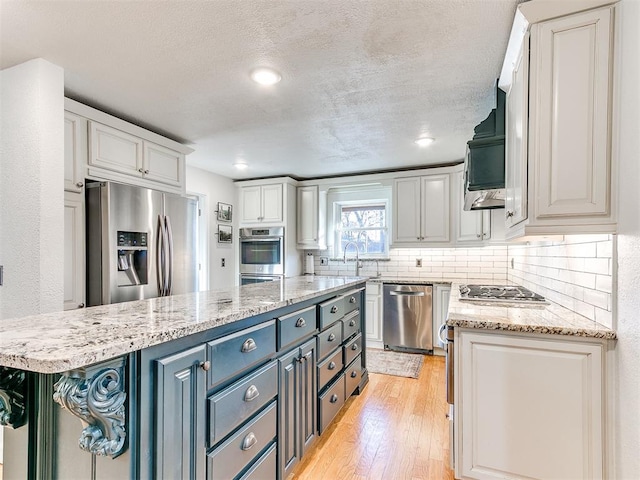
point(261, 254)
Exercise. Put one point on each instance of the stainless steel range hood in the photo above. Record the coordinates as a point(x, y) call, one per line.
point(484, 165)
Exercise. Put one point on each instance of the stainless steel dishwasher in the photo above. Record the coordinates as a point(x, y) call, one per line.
point(408, 317)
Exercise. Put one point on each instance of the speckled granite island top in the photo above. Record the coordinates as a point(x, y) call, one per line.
point(547, 319)
point(61, 341)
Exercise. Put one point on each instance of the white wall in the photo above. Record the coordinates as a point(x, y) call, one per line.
point(217, 189)
point(626, 393)
point(31, 192)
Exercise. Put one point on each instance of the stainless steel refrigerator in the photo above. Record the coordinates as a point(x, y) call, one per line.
point(141, 243)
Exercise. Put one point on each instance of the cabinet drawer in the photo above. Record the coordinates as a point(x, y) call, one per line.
point(329, 340)
point(330, 403)
point(352, 376)
point(351, 324)
point(231, 354)
point(236, 403)
point(296, 326)
point(352, 349)
point(264, 468)
point(329, 368)
point(351, 301)
point(230, 458)
point(330, 311)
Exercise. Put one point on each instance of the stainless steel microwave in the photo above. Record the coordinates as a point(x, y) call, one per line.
point(262, 250)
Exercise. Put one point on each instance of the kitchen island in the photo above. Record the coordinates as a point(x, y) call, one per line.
point(530, 389)
point(169, 387)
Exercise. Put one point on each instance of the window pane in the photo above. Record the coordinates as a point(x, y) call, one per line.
point(363, 216)
point(370, 242)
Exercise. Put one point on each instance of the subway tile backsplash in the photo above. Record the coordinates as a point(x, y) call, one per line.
point(576, 273)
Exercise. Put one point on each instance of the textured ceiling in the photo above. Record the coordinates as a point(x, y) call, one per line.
point(360, 79)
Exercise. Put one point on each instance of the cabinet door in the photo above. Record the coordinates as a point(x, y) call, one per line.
point(115, 150)
point(163, 164)
point(406, 210)
point(272, 204)
point(435, 208)
point(441, 295)
point(308, 211)
point(516, 122)
point(288, 444)
point(180, 415)
point(373, 316)
point(528, 407)
point(75, 152)
point(74, 257)
point(469, 224)
point(250, 204)
point(308, 395)
point(571, 115)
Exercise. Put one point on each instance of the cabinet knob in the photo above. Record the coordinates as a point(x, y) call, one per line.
point(510, 213)
point(206, 366)
point(417, 238)
point(141, 170)
point(478, 235)
point(81, 305)
point(334, 309)
point(331, 366)
point(331, 337)
point(352, 323)
point(249, 441)
point(301, 322)
point(354, 347)
point(80, 184)
point(249, 345)
point(354, 374)
point(352, 300)
point(251, 394)
point(334, 398)
point(146, 172)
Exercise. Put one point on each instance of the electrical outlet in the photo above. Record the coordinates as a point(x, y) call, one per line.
point(418, 262)
point(222, 262)
point(324, 260)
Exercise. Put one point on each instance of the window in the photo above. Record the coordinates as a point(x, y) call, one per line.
point(364, 224)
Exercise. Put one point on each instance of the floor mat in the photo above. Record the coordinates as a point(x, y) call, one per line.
point(394, 363)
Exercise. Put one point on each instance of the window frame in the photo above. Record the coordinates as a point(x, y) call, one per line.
point(338, 205)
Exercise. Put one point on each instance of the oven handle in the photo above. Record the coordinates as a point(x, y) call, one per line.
point(260, 239)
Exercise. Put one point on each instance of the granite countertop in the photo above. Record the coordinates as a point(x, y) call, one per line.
point(434, 281)
point(549, 319)
point(61, 341)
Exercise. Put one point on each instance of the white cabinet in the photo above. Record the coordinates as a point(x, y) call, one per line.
point(75, 152)
point(74, 251)
point(528, 406)
point(421, 209)
point(262, 204)
point(311, 218)
point(471, 227)
point(441, 294)
point(112, 150)
point(373, 318)
point(559, 170)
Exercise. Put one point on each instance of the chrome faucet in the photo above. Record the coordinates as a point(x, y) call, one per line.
point(344, 259)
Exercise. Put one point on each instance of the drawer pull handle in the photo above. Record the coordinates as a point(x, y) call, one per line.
point(205, 365)
point(251, 394)
point(334, 309)
point(301, 322)
point(332, 365)
point(352, 300)
point(354, 374)
point(249, 441)
point(331, 337)
point(352, 323)
point(249, 345)
point(354, 347)
point(334, 398)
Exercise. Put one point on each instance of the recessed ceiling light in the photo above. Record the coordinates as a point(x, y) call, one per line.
point(424, 141)
point(265, 76)
point(240, 165)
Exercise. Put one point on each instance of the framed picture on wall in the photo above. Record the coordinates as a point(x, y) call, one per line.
point(225, 234)
point(225, 212)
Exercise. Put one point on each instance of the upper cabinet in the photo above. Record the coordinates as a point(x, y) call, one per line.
point(471, 227)
point(311, 218)
point(421, 210)
point(75, 152)
point(560, 176)
point(262, 204)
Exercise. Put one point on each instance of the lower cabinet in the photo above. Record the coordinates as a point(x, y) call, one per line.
point(297, 405)
point(441, 295)
point(528, 406)
point(374, 314)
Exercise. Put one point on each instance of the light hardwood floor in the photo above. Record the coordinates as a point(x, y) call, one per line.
point(396, 429)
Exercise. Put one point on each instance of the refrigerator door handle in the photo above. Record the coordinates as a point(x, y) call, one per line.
point(160, 253)
point(169, 265)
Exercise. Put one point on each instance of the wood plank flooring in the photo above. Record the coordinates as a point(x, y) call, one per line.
point(396, 429)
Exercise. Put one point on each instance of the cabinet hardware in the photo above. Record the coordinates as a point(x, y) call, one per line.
point(352, 300)
point(510, 213)
point(146, 172)
point(331, 366)
point(354, 347)
point(352, 323)
point(417, 238)
point(251, 394)
point(205, 366)
point(331, 337)
point(249, 441)
point(301, 322)
point(334, 398)
point(354, 374)
point(81, 305)
point(478, 235)
point(334, 309)
point(80, 184)
point(141, 170)
point(249, 345)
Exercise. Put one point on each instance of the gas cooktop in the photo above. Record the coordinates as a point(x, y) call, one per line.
point(501, 293)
